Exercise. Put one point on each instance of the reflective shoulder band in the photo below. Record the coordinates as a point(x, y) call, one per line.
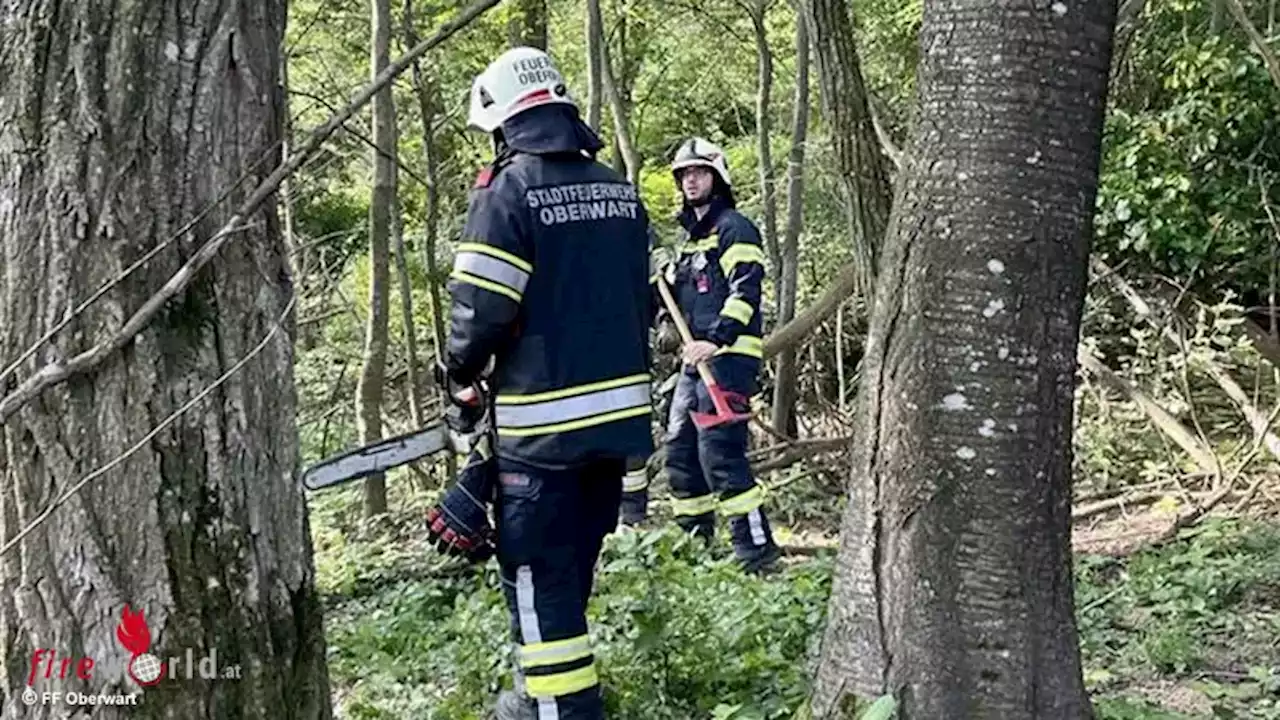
point(573, 408)
point(739, 253)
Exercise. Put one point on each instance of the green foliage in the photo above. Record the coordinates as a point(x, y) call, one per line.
point(1190, 159)
point(1187, 612)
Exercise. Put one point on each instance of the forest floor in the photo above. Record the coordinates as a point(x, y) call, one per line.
point(1189, 629)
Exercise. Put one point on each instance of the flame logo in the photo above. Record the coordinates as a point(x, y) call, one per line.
point(135, 636)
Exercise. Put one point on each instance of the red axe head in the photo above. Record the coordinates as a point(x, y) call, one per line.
point(724, 402)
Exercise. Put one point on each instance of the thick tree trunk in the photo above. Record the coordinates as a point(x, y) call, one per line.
point(954, 581)
point(784, 393)
point(864, 176)
point(119, 123)
point(373, 369)
point(528, 24)
point(595, 89)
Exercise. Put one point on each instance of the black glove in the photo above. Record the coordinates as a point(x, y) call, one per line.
point(466, 404)
point(459, 522)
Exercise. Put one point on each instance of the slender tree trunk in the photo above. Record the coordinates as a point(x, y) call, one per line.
point(369, 388)
point(863, 173)
point(427, 107)
point(595, 91)
point(528, 24)
point(625, 148)
point(119, 123)
point(413, 380)
point(764, 88)
point(954, 585)
point(784, 393)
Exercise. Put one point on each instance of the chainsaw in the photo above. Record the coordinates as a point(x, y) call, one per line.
point(465, 420)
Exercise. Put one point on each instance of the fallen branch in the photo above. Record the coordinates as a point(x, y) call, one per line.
point(1259, 42)
point(1164, 421)
point(1143, 498)
point(1257, 421)
point(57, 372)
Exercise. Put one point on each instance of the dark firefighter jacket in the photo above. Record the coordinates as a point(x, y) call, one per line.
point(552, 279)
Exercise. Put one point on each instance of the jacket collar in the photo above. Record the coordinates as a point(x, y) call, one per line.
point(550, 129)
point(702, 228)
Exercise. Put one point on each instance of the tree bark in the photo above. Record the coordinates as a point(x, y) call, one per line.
point(954, 587)
point(427, 107)
point(413, 381)
point(118, 123)
point(528, 24)
point(764, 89)
point(784, 392)
point(373, 367)
point(621, 122)
point(864, 176)
point(595, 91)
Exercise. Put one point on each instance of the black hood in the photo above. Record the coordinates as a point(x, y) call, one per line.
point(548, 129)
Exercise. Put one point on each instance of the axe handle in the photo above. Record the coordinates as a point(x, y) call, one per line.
point(685, 335)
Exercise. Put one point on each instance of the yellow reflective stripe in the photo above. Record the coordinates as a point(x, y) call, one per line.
point(554, 652)
point(739, 253)
point(509, 399)
point(482, 283)
point(738, 309)
point(633, 482)
point(559, 684)
point(498, 253)
point(573, 424)
point(706, 245)
point(653, 279)
point(694, 505)
point(743, 503)
point(745, 345)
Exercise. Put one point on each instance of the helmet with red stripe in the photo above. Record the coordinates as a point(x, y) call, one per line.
point(521, 78)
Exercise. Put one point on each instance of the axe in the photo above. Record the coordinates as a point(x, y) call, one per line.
point(724, 413)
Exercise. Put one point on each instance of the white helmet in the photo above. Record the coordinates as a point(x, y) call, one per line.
point(697, 151)
point(519, 79)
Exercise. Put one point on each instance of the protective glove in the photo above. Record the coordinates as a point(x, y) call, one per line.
point(466, 404)
point(459, 523)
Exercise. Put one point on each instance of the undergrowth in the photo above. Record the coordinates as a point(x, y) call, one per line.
point(1189, 630)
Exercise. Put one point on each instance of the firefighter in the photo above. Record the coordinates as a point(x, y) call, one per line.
point(716, 280)
point(551, 280)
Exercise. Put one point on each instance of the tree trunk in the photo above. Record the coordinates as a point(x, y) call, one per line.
point(625, 148)
point(528, 24)
point(954, 585)
point(413, 380)
point(863, 174)
point(764, 87)
point(427, 107)
point(595, 91)
point(374, 361)
point(784, 393)
point(119, 123)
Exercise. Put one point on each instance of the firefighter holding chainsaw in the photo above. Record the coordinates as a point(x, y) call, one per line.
point(551, 279)
point(716, 282)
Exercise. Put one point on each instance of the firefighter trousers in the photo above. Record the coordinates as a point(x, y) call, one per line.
point(551, 525)
point(703, 461)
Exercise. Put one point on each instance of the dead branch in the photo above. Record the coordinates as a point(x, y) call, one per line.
point(1164, 421)
point(1142, 498)
point(57, 372)
point(1255, 37)
point(1173, 329)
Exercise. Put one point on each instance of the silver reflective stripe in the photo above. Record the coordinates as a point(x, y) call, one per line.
point(547, 709)
point(529, 631)
point(493, 269)
point(757, 527)
point(632, 482)
point(587, 405)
